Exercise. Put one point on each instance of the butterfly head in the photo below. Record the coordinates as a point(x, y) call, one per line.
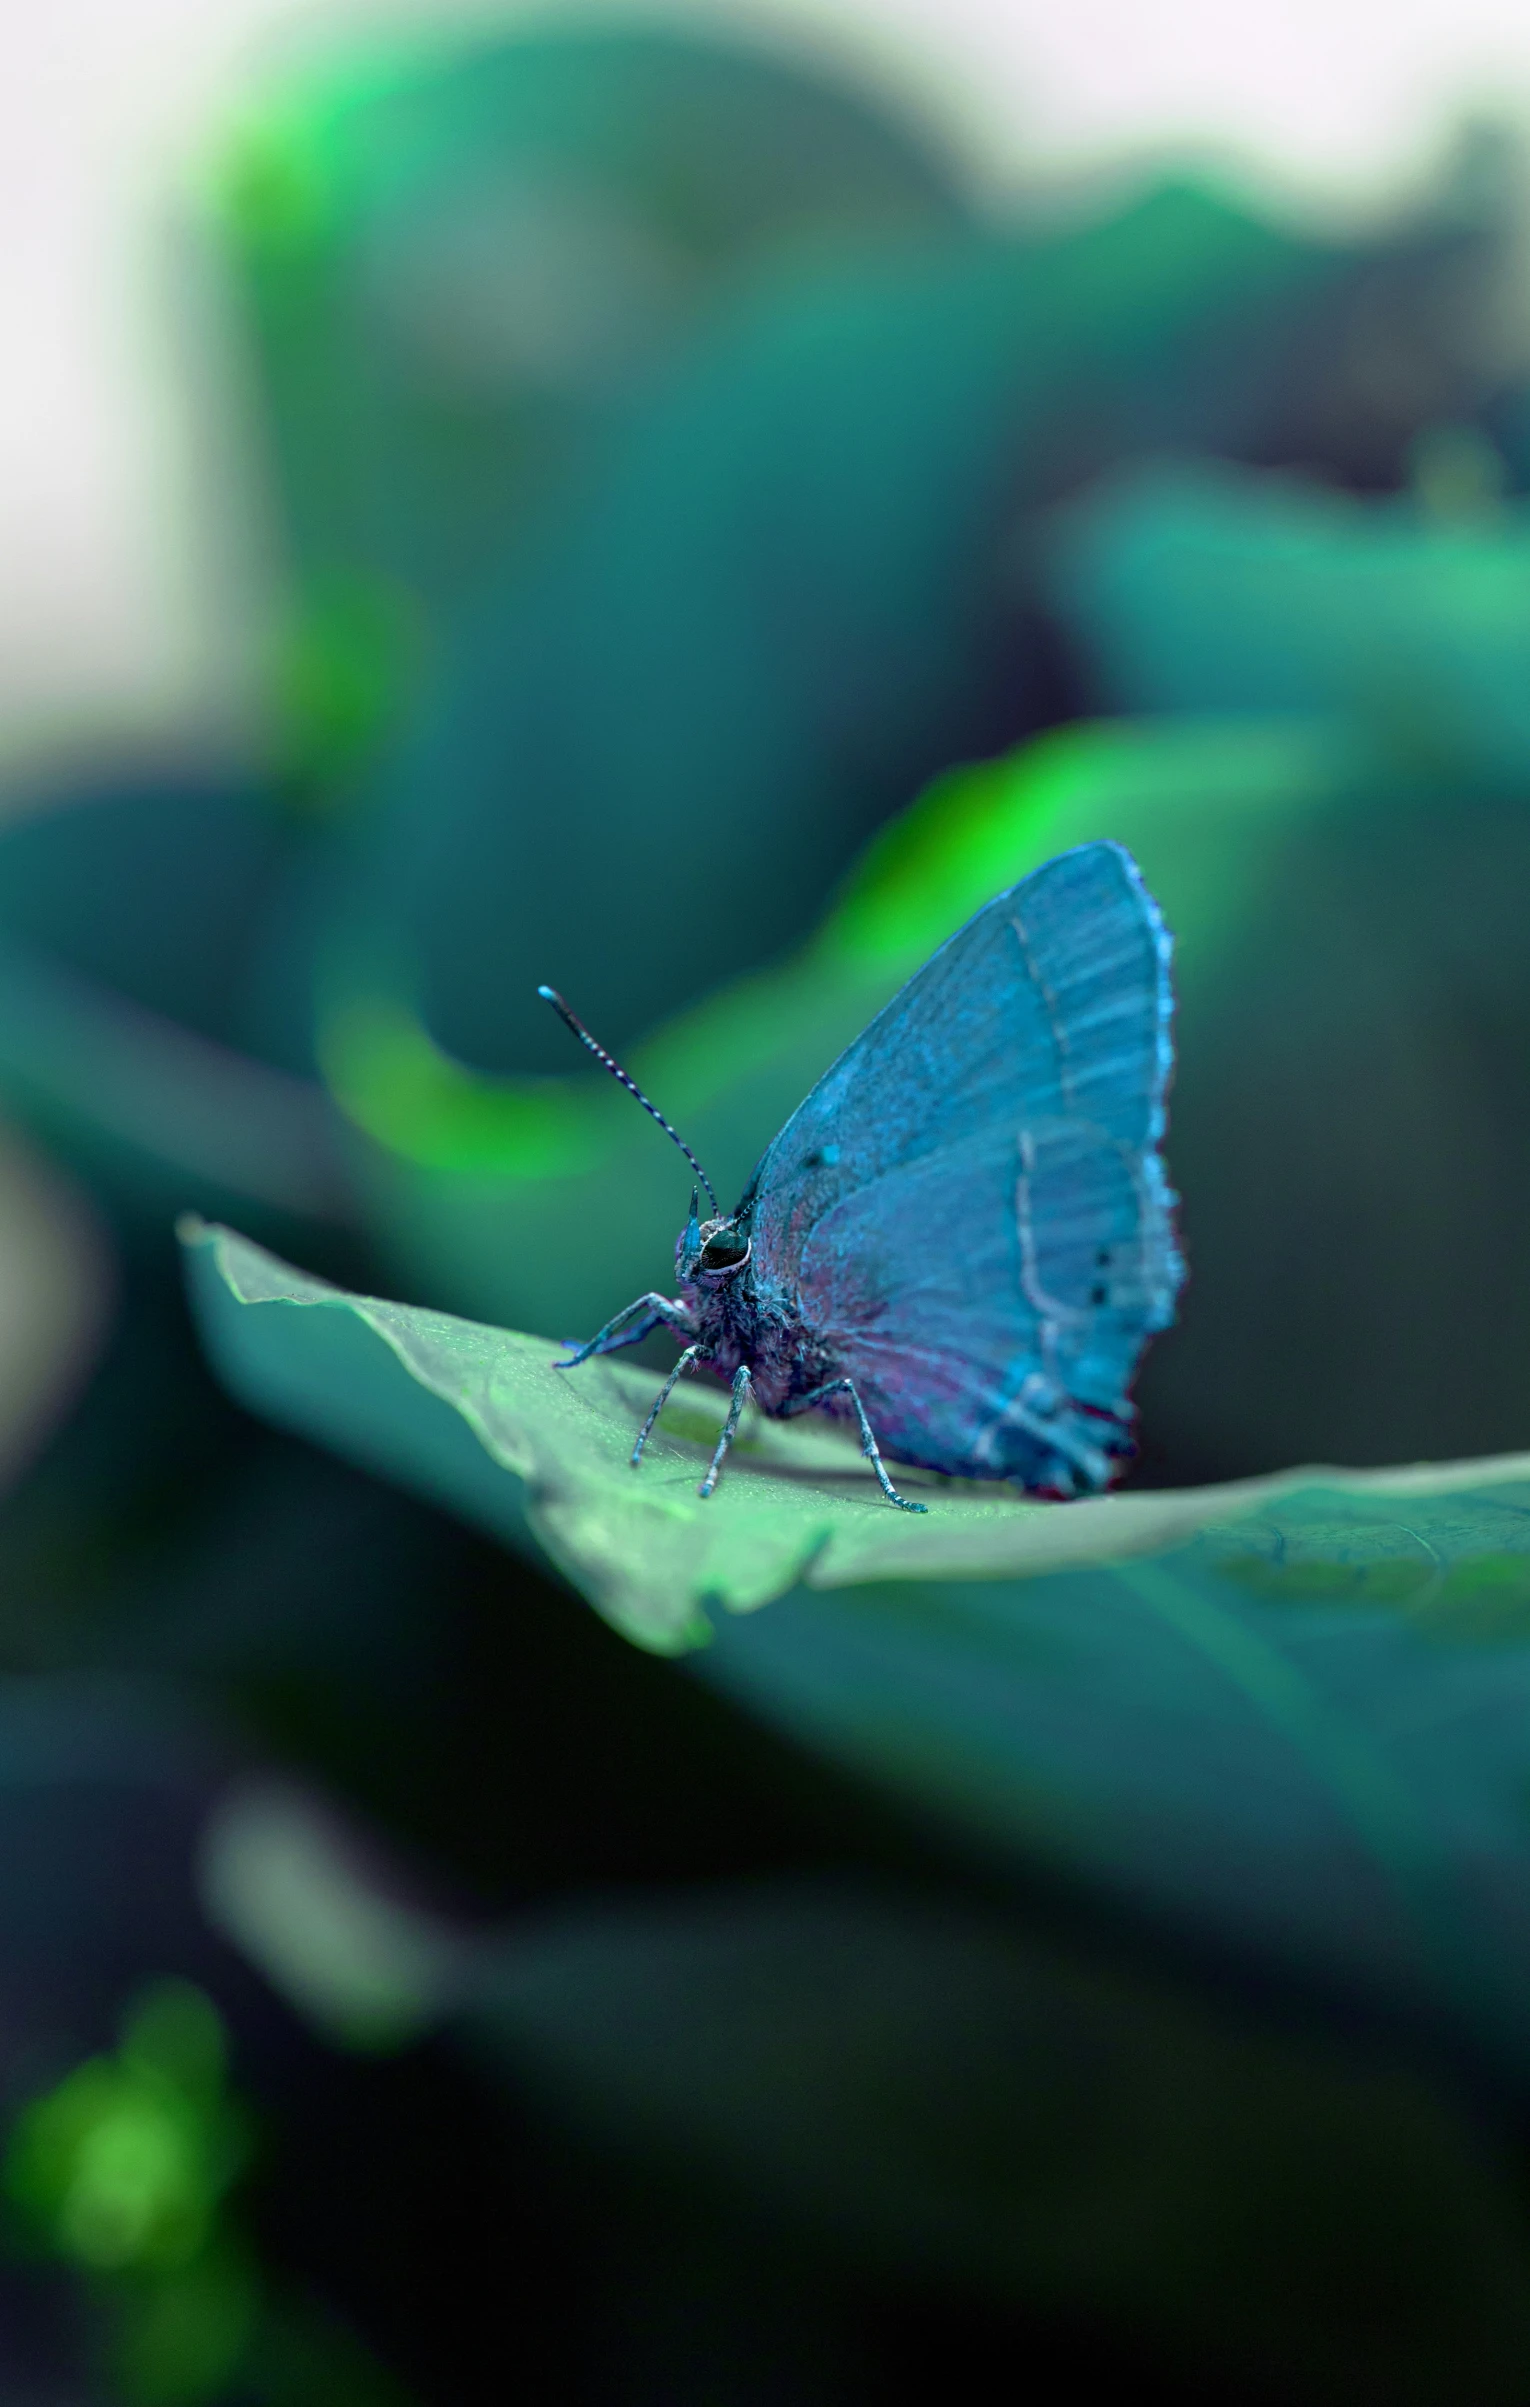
point(710, 1250)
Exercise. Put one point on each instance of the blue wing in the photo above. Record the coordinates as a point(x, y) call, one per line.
point(969, 1213)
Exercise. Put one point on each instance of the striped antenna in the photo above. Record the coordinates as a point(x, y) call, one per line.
point(572, 1020)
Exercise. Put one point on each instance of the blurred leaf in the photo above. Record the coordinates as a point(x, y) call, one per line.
point(154, 1115)
point(181, 2339)
point(301, 2356)
point(345, 669)
point(798, 583)
point(461, 252)
point(287, 1885)
point(124, 2170)
point(57, 1295)
point(147, 884)
point(124, 2165)
point(1210, 589)
point(924, 2086)
point(132, 919)
point(931, 2088)
point(474, 1183)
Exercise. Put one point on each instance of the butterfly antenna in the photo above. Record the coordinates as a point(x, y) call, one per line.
point(572, 1020)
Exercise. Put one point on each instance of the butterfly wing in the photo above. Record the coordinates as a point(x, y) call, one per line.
point(969, 1216)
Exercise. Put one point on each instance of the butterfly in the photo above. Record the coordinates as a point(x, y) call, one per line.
point(964, 1237)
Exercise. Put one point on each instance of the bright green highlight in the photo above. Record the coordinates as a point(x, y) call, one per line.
point(978, 829)
point(126, 2162)
point(116, 2166)
point(1191, 800)
point(397, 1085)
point(271, 187)
point(124, 2170)
point(294, 165)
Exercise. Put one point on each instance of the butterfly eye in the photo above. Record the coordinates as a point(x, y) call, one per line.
point(724, 1251)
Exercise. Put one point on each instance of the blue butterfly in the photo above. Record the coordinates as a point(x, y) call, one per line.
point(964, 1238)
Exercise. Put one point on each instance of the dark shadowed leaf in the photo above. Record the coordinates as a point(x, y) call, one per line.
point(928, 2088)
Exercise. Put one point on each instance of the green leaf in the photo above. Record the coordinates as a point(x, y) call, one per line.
point(1292, 1711)
point(797, 1502)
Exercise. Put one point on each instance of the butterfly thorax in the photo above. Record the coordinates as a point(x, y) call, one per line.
point(740, 1318)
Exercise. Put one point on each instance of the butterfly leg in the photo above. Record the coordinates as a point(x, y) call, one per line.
point(631, 1325)
point(691, 1354)
point(869, 1446)
point(741, 1387)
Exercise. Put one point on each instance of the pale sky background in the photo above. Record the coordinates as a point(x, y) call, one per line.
point(111, 608)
